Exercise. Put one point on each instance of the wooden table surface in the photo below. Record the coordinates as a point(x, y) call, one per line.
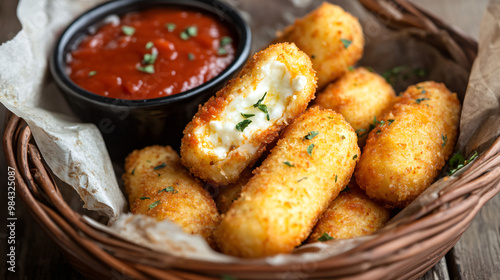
point(475, 256)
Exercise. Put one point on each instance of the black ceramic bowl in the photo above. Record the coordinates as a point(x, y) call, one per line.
point(131, 124)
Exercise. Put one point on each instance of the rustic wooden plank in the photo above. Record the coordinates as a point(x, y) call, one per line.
point(438, 272)
point(477, 254)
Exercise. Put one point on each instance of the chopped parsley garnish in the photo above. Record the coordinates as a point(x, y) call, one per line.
point(159, 166)
point(190, 56)
point(336, 178)
point(170, 27)
point(350, 68)
point(242, 125)
point(313, 56)
point(227, 277)
point(260, 100)
point(92, 73)
point(343, 137)
point(149, 58)
point(457, 162)
point(423, 92)
point(221, 51)
point(133, 171)
point(149, 45)
point(288, 163)
point(225, 41)
point(301, 179)
point(421, 99)
point(346, 42)
point(445, 139)
point(403, 72)
point(150, 69)
point(128, 30)
point(263, 108)
point(346, 189)
point(154, 204)
point(311, 135)
point(246, 116)
point(144, 197)
point(192, 31)
point(372, 126)
point(325, 237)
point(370, 69)
point(390, 121)
point(310, 149)
point(184, 36)
point(168, 189)
point(355, 157)
point(419, 72)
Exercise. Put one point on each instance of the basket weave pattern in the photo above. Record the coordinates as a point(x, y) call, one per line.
point(407, 250)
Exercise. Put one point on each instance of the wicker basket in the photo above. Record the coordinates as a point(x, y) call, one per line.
point(407, 250)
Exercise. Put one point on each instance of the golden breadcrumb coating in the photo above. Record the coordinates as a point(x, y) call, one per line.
point(158, 186)
point(404, 154)
point(311, 163)
point(332, 37)
point(361, 96)
point(270, 91)
point(351, 214)
point(228, 194)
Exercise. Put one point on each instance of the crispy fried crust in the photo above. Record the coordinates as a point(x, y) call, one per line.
point(401, 159)
point(360, 96)
point(319, 35)
point(228, 194)
point(210, 167)
point(280, 204)
point(188, 204)
point(350, 215)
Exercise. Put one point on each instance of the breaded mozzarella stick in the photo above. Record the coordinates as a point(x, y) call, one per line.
point(277, 209)
point(232, 129)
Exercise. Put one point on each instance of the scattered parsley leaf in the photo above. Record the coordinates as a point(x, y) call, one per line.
point(242, 125)
point(221, 51)
point(144, 197)
point(419, 72)
point(92, 73)
point(346, 42)
point(170, 27)
point(263, 108)
point(150, 69)
point(128, 30)
point(390, 121)
point(421, 99)
point(227, 277)
point(379, 131)
point(184, 35)
point(350, 68)
point(457, 161)
point(313, 56)
point(445, 139)
point(168, 189)
point(159, 166)
point(325, 237)
point(192, 31)
point(343, 137)
point(311, 135)
point(288, 163)
point(133, 171)
point(149, 45)
point(154, 204)
point(190, 56)
point(336, 178)
point(370, 69)
point(225, 41)
point(355, 157)
point(149, 58)
point(346, 189)
point(260, 100)
point(310, 149)
point(301, 179)
point(246, 116)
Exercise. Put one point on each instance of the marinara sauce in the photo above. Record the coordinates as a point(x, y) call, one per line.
point(151, 53)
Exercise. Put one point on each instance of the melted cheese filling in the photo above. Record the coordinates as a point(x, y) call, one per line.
point(275, 90)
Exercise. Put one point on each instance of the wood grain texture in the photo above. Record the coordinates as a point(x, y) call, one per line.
point(476, 255)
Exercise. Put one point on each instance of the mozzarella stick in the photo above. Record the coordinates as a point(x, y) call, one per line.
point(228, 194)
point(158, 186)
point(351, 214)
point(232, 129)
point(310, 165)
point(361, 96)
point(332, 37)
point(406, 150)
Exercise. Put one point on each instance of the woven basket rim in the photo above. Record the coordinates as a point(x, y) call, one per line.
point(395, 252)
